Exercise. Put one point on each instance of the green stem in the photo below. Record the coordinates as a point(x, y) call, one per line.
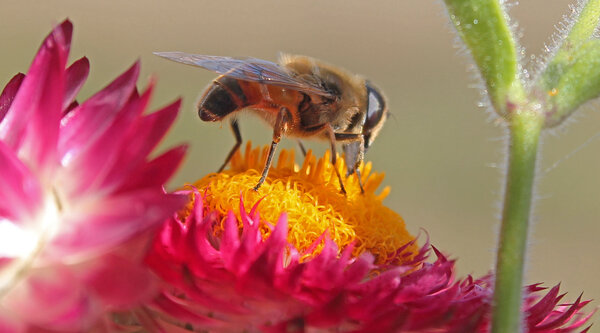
point(525, 129)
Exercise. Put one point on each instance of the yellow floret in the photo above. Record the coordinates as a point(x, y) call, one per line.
point(310, 194)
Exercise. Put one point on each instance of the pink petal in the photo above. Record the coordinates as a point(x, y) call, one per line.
point(157, 171)
point(76, 75)
point(52, 297)
point(554, 322)
point(86, 167)
point(9, 92)
point(141, 139)
point(8, 326)
point(82, 127)
point(539, 311)
point(32, 121)
point(115, 219)
point(182, 312)
point(19, 189)
point(129, 281)
point(167, 250)
point(231, 240)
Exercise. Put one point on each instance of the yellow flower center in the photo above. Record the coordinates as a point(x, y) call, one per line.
point(310, 194)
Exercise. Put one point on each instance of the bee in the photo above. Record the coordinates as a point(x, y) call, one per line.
point(298, 97)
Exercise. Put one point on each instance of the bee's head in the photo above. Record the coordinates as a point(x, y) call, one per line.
point(376, 114)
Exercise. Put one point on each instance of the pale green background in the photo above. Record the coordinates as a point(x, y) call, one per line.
point(442, 154)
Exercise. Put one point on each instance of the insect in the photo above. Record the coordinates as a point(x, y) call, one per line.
point(299, 97)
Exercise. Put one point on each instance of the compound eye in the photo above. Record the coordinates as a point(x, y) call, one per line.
point(375, 107)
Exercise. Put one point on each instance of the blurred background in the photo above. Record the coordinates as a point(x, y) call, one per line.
point(442, 154)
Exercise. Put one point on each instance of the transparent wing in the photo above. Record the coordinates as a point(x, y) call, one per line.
point(249, 69)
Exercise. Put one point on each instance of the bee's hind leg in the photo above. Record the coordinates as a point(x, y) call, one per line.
point(359, 177)
point(235, 128)
point(302, 149)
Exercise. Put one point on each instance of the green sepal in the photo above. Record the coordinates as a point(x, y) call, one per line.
point(571, 76)
point(578, 83)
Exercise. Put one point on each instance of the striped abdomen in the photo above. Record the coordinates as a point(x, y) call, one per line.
point(222, 97)
point(227, 95)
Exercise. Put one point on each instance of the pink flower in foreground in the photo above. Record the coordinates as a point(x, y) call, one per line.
point(236, 281)
point(79, 196)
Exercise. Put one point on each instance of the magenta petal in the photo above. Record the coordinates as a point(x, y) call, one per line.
point(29, 97)
point(32, 121)
point(152, 128)
point(179, 311)
point(87, 166)
point(141, 139)
point(9, 92)
point(76, 75)
point(359, 268)
point(8, 326)
point(230, 241)
point(83, 125)
point(115, 220)
point(51, 296)
point(168, 250)
point(539, 311)
point(129, 282)
point(552, 322)
point(20, 192)
point(157, 171)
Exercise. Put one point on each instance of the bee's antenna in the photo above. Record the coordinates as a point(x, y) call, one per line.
point(393, 116)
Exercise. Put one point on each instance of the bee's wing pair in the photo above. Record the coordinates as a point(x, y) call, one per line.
point(249, 69)
point(265, 72)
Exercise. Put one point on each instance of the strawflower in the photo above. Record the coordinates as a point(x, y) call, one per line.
point(310, 196)
point(79, 196)
point(234, 269)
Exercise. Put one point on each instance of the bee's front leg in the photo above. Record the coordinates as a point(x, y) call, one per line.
point(353, 154)
point(332, 139)
point(282, 123)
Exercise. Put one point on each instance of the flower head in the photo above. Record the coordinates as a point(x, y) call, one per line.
point(310, 196)
point(223, 273)
point(78, 195)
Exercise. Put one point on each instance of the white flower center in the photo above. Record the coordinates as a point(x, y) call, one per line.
point(24, 241)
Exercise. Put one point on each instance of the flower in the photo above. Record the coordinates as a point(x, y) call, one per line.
point(310, 196)
point(222, 272)
point(79, 196)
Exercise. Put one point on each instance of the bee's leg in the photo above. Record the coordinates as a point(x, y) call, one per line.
point(235, 128)
point(353, 154)
point(281, 126)
point(302, 148)
point(331, 135)
point(359, 177)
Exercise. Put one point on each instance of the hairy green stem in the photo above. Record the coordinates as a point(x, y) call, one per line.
point(525, 128)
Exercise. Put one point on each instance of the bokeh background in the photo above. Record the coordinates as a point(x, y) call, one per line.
point(442, 154)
